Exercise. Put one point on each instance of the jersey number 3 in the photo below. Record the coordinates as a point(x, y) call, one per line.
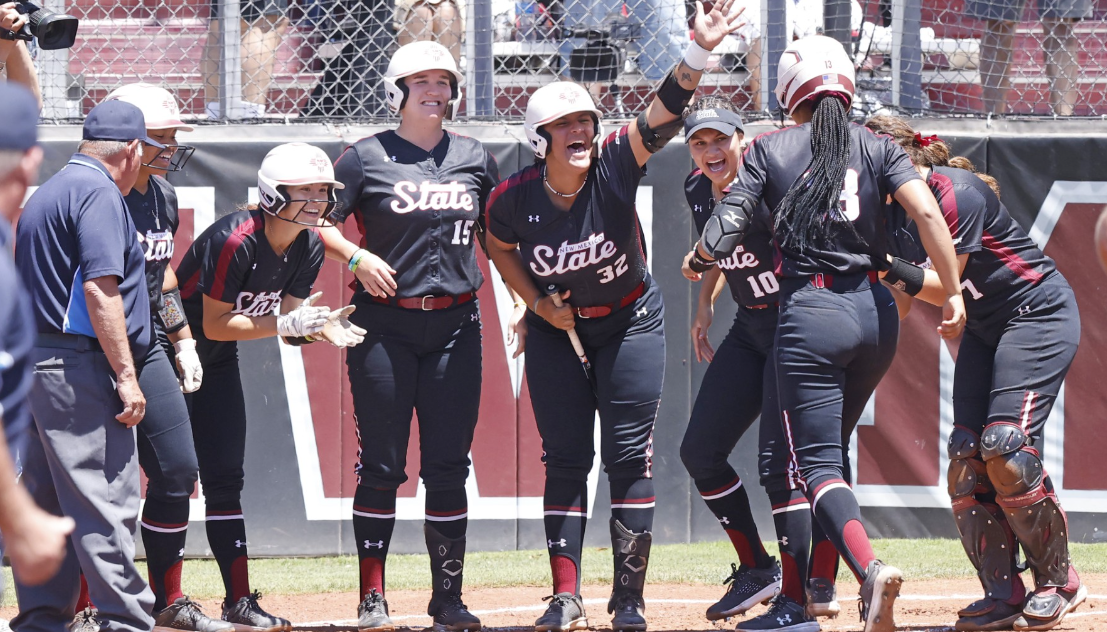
point(851, 204)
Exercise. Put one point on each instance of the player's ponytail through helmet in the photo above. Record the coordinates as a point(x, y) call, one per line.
point(925, 151)
point(809, 214)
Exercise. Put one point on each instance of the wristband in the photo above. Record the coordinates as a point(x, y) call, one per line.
point(356, 258)
point(695, 58)
point(905, 276)
point(520, 304)
point(698, 264)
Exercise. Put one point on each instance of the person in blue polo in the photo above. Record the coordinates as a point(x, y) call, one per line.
point(33, 539)
point(78, 255)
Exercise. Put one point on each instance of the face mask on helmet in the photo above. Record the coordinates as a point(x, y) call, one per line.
point(178, 157)
point(276, 203)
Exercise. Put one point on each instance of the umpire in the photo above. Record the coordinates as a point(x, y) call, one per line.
point(78, 254)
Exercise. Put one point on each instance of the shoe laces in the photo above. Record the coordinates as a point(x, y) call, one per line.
point(627, 601)
point(373, 600)
point(453, 602)
point(252, 599)
point(560, 599)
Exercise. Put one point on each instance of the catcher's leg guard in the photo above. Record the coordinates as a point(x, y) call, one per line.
point(447, 559)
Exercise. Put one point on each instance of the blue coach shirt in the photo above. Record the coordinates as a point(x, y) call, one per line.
point(17, 337)
point(74, 228)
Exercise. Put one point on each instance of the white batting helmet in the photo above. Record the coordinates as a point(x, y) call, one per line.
point(551, 102)
point(159, 106)
point(812, 65)
point(294, 164)
point(419, 57)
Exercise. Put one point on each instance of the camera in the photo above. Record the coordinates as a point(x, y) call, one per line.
point(53, 30)
point(604, 51)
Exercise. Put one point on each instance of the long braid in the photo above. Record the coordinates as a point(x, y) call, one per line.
point(809, 214)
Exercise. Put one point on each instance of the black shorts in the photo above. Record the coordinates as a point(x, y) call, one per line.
point(1012, 10)
point(253, 9)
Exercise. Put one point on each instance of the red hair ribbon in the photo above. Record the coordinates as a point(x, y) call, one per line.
point(924, 141)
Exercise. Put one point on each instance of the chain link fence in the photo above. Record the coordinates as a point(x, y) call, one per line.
point(312, 60)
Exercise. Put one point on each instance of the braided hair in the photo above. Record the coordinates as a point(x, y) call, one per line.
point(808, 215)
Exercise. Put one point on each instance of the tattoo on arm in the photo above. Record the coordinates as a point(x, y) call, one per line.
point(685, 76)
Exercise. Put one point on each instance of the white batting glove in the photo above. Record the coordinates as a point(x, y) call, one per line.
point(188, 365)
point(339, 331)
point(305, 320)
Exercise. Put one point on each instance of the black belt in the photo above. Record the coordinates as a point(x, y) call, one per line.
point(68, 341)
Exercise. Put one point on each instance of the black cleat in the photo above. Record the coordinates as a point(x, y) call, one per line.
point(372, 613)
point(451, 615)
point(565, 612)
point(246, 613)
point(185, 614)
point(878, 596)
point(628, 608)
point(822, 598)
point(784, 615)
point(748, 587)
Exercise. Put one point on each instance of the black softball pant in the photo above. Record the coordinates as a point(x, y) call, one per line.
point(426, 361)
point(165, 447)
point(627, 351)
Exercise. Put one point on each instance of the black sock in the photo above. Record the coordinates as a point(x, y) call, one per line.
point(632, 503)
point(447, 511)
point(566, 511)
point(792, 517)
point(836, 509)
point(164, 528)
point(726, 497)
point(374, 520)
point(227, 538)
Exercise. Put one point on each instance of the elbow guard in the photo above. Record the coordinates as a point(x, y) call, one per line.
point(172, 312)
point(905, 276)
point(728, 225)
point(654, 138)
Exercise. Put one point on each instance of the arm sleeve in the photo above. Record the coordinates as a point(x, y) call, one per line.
point(696, 201)
point(103, 236)
point(898, 168)
point(306, 275)
point(619, 167)
point(225, 267)
point(350, 171)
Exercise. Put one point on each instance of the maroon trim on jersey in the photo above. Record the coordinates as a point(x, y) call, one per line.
point(188, 288)
point(947, 199)
point(519, 177)
point(1010, 258)
point(622, 131)
point(234, 241)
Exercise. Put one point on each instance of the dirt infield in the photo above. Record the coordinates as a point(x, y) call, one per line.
point(923, 605)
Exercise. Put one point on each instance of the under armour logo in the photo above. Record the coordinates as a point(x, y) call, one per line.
point(786, 619)
point(379, 544)
point(724, 520)
point(238, 544)
point(180, 553)
point(641, 312)
point(532, 219)
point(1024, 310)
point(474, 317)
point(697, 208)
point(784, 541)
point(552, 543)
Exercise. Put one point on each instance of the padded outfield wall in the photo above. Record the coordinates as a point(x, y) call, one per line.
point(302, 446)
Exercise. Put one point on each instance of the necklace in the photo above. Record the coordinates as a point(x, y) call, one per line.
point(559, 193)
point(157, 210)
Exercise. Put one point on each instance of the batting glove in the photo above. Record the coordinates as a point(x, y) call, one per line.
point(339, 331)
point(305, 320)
point(188, 365)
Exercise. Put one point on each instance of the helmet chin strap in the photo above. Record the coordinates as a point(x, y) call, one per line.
point(323, 216)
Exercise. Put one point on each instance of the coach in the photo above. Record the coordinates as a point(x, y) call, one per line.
point(77, 252)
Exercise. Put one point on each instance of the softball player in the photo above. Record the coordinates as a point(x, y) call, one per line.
point(565, 229)
point(739, 386)
point(826, 181)
point(418, 194)
point(165, 448)
point(247, 277)
point(1022, 334)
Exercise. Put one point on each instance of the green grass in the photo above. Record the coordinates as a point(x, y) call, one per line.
point(701, 563)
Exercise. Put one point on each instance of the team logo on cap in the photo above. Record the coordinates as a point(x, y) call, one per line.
point(319, 163)
point(434, 53)
point(568, 95)
point(710, 113)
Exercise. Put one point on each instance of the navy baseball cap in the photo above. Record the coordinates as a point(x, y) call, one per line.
point(719, 119)
point(117, 120)
point(20, 128)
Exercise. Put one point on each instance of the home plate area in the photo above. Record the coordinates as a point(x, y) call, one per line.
point(923, 605)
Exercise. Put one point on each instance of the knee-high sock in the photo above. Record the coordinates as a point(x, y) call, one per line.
point(565, 515)
point(448, 512)
point(374, 520)
point(164, 527)
point(837, 511)
point(632, 503)
point(227, 538)
point(824, 557)
point(792, 517)
point(726, 497)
